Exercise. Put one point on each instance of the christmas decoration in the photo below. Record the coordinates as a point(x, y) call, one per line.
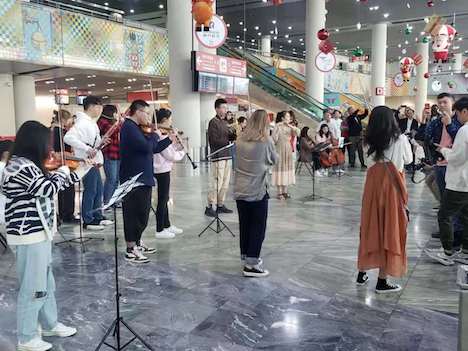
point(442, 37)
point(277, 2)
point(432, 24)
point(427, 75)
point(326, 46)
point(465, 64)
point(202, 11)
point(408, 30)
point(430, 4)
point(358, 52)
point(415, 89)
point(425, 40)
point(417, 59)
point(406, 67)
point(323, 34)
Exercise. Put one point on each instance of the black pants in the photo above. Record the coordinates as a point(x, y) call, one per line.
point(66, 202)
point(136, 207)
point(453, 203)
point(356, 145)
point(252, 221)
point(162, 213)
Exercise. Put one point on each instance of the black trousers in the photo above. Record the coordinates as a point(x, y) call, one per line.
point(136, 207)
point(356, 145)
point(252, 222)
point(162, 212)
point(66, 202)
point(453, 203)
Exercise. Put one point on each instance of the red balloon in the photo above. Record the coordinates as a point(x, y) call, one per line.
point(323, 34)
point(427, 75)
point(277, 2)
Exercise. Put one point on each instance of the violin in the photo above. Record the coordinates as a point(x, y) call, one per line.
point(148, 129)
point(54, 161)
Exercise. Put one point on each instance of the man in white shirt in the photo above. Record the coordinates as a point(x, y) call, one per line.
point(326, 120)
point(85, 139)
point(335, 125)
point(455, 198)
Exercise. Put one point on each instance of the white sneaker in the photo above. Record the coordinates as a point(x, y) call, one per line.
point(93, 227)
point(441, 257)
point(318, 173)
point(165, 234)
point(36, 344)
point(174, 229)
point(60, 330)
point(106, 222)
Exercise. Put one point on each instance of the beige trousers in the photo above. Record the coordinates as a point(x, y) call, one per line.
point(220, 174)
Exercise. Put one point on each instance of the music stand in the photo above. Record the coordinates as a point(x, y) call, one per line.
point(116, 198)
point(312, 197)
point(220, 225)
point(81, 239)
point(3, 241)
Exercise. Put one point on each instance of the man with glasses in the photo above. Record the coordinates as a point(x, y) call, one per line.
point(136, 156)
point(84, 137)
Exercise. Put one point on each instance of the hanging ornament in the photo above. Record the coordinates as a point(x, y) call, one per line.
point(442, 37)
point(430, 3)
point(425, 40)
point(326, 46)
point(451, 84)
point(406, 67)
point(358, 52)
point(277, 2)
point(415, 89)
point(202, 11)
point(323, 34)
point(408, 30)
point(417, 58)
point(427, 75)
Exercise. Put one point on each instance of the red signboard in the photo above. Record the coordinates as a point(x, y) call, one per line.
point(220, 65)
point(142, 95)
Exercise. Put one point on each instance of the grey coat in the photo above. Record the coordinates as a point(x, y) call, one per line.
point(253, 160)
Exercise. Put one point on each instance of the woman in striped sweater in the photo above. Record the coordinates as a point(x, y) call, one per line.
point(30, 224)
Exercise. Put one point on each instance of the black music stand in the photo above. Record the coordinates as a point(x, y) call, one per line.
point(220, 225)
point(312, 197)
point(81, 240)
point(117, 198)
point(3, 241)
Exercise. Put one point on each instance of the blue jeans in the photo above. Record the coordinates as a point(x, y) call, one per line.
point(457, 225)
point(111, 169)
point(36, 297)
point(92, 196)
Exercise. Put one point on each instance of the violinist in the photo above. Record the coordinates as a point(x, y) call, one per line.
point(138, 142)
point(84, 138)
point(61, 123)
point(109, 118)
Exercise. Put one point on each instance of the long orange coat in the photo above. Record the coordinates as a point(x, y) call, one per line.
point(384, 221)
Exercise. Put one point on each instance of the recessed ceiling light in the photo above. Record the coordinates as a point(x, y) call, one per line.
point(161, 6)
point(240, 47)
point(245, 29)
point(399, 45)
point(110, 89)
point(406, 42)
point(289, 41)
point(426, 19)
point(228, 25)
point(259, 33)
point(386, 15)
point(272, 32)
point(337, 29)
point(111, 82)
point(91, 76)
point(301, 39)
point(91, 85)
point(256, 27)
point(106, 4)
point(275, 37)
point(460, 39)
point(69, 79)
point(286, 36)
point(241, 23)
point(264, 0)
point(238, 36)
point(274, 21)
point(359, 25)
point(132, 10)
point(50, 82)
point(73, 88)
point(290, 27)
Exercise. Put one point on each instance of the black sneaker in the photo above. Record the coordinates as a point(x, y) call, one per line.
point(362, 279)
point(363, 167)
point(210, 212)
point(384, 287)
point(255, 271)
point(146, 249)
point(435, 235)
point(134, 255)
point(224, 209)
point(71, 221)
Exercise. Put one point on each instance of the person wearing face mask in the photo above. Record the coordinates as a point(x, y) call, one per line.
point(85, 139)
point(108, 119)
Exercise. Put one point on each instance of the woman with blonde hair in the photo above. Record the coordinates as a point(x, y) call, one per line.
point(255, 155)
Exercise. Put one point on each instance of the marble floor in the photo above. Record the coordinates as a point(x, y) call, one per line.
point(192, 295)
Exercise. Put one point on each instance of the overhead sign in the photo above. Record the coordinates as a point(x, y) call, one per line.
point(216, 36)
point(379, 91)
point(325, 62)
point(209, 63)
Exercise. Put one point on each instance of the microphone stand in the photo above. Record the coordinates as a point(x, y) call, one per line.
point(220, 225)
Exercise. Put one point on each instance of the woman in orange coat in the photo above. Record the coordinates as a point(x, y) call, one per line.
point(384, 218)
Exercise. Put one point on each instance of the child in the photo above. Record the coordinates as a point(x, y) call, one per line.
point(30, 226)
point(162, 169)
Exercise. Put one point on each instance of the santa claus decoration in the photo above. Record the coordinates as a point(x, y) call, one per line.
point(442, 37)
point(406, 67)
point(202, 11)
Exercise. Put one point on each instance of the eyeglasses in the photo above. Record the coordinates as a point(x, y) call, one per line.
point(144, 111)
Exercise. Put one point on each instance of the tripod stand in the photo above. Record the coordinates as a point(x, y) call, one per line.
point(312, 197)
point(118, 196)
point(81, 240)
point(220, 225)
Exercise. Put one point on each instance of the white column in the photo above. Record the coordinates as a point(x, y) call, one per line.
point(25, 99)
point(7, 101)
point(379, 63)
point(185, 104)
point(266, 45)
point(458, 65)
point(421, 82)
point(315, 20)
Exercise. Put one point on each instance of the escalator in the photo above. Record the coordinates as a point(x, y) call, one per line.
point(276, 87)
